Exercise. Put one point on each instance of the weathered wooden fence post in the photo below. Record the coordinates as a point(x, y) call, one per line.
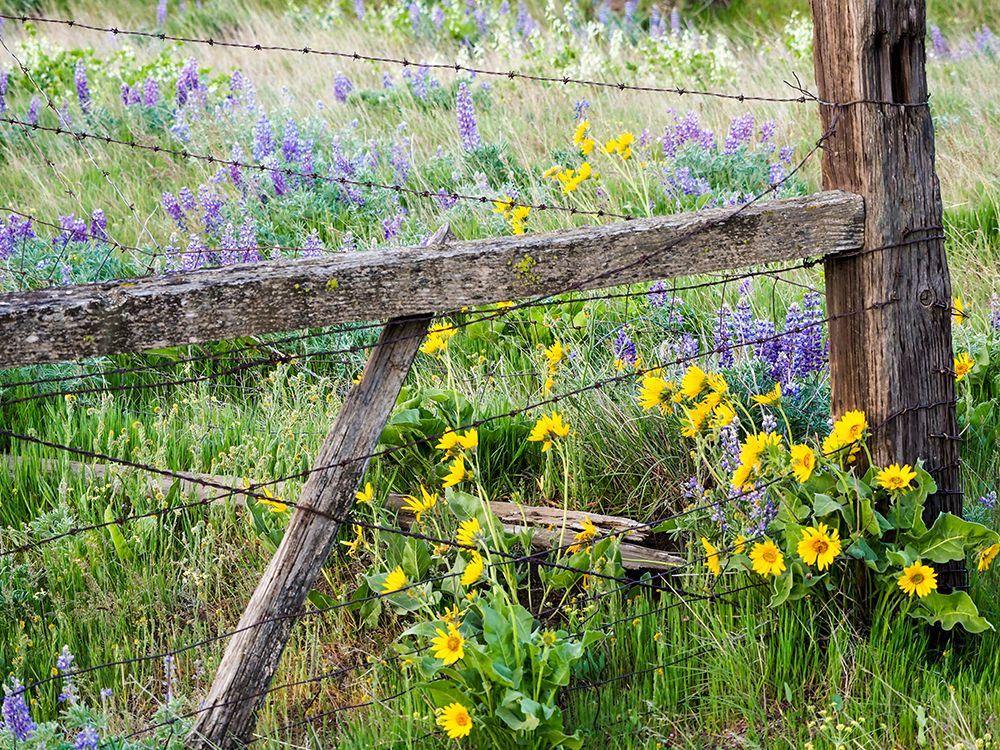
point(894, 362)
point(253, 654)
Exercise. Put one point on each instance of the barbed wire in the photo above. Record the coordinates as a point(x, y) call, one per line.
point(804, 96)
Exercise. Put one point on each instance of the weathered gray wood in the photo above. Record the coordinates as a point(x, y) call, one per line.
point(253, 654)
point(213, 304)
point(894, 362)
point(634, 556)
point(193, 484)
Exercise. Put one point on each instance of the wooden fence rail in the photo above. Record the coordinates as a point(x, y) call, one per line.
point(66, 323)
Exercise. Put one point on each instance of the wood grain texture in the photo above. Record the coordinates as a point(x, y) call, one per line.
point(68, 323)
point(253, 654)
point(895, 363)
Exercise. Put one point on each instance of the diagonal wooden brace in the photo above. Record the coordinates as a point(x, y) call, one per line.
point(252, 657)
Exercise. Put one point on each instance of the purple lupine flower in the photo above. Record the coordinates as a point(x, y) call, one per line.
point(65, 664)
point(525, 24)
point(466, 113)
point(387, 81)
point(34, 107)
point(675, 21)
point(437, 17)
point(126, 94)
point(98, 225)
point(173, 208)
point(196, 255)
point(580, 109)
point(938, 43)
point(150, 92)
point(604, 13)
point(248, 241)
point(277, 177)
point(989, 500)
point(63, 115)
point(290, 142)
point(187, 199)
point(234, 170)
point(740, 133)
point(348, 245)
point(87, 739)
point(445, 199)
point(743, 320)
point(767, 131)
point(6, 241)
point(785, 154)
point(16, 714)
point(414, 9)
point(626, 354)
point(263, 139)
point(418, 82)
point(391, 225)
point(4, 81)
point(399, 161)
point(995, 312)
point(313, 246)
point(481, 24)
point(211, 207)
point(73, 230)
point(21, 229)
point(722, 335)
point(775, 173)
point(986, 41)
point(188, 81)
point(657, 24)
point(359, 9)
point(161, 13)
point(82, 87)
point(656, 295)
point(629, 13)
point(168, 682)
point(812, 353)
point(342, 86)
point(106, 693)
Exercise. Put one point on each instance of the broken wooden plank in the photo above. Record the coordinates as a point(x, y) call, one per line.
point(635, 555)
point(65, 323)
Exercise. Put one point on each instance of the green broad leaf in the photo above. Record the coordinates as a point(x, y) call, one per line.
point(117, 538)
point(949, 610)
point(869, 521)
point(320, 600)
point(441, 693)
point(782, 588)
point(950, 537)
point(557, 738)
point(869, 550)
point(824, 505)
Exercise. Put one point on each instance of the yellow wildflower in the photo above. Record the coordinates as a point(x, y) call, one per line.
point(896, 478)
point(819, 546)
point(739, 544)
point(554, 354)
point(455, 720)
point(456, 473)
point(437, 338)
point(272, 503)
point(473, 570)
point(723, 415)
point(767, 559)
point(693, 381)
point(582, 538)
point(771, 397)
point(958, 315)
point(987, 556)
point(425, 503)
point(355, 544)
point(847, 433)
point(918, 579)
point(366, 495)
point(963, 365)
point(803, 462)
point(711, 557)
point(469, 532)
point(653, 391)
point(448, 647)
point(394, 581)
point(548, 429)
point(622, 145)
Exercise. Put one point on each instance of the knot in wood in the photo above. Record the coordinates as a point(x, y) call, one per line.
point(927, 297)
